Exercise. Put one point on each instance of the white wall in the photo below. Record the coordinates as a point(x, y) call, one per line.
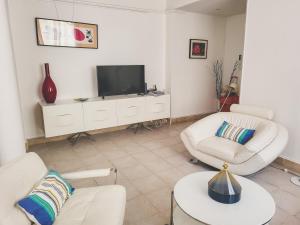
point(12, 142)
point(234, 43)
point(191, 82)
point(158, 5)
point(175, 4)
point(125, 37)
point(271, 71)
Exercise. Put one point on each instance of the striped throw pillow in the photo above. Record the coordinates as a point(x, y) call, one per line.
point(233, 133)
point(44, 202)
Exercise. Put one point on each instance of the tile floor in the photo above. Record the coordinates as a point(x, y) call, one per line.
point(149, 164)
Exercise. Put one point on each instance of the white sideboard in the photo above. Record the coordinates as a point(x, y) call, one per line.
point(70, 116)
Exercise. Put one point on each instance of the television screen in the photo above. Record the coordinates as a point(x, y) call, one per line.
point(119, 80)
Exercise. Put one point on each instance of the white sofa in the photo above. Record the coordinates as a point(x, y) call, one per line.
point(268, 142)
point(104, 205)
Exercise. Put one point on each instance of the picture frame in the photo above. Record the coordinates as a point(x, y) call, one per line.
point(198, 49)
point(62, 33)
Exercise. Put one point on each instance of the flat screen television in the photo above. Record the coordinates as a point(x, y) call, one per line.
point(121, 80)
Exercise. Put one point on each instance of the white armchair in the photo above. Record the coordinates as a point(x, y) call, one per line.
point(104, 205)
point(268, 142)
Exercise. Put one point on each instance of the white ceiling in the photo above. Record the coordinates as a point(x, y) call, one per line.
point(217, 7)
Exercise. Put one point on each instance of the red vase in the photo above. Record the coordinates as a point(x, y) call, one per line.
point(49, 88)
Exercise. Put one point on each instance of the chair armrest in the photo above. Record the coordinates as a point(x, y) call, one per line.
point(89, 174)
point(204, 128)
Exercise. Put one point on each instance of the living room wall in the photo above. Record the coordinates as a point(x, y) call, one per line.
point(125, 37)
point(234, 43)
point(191, 81)
point(271, 64)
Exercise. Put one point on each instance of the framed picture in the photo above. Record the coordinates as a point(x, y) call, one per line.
point(60, 33)
point(198, 49)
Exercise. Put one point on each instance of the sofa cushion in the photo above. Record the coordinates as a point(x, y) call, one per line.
point(94, 206)
point(45, 201)
point(225, 150)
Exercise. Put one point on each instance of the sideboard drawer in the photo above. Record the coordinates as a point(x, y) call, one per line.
point(157, 107)
point(63, 119)
point(101, 114)
point(130, 110)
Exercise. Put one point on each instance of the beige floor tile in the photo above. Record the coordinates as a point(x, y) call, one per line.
point(292, 220)
point(149, 184)
point(280, 217)
point(188, 168)
point(152, 145)
point(269, 187)
point(139, 208)
point(165, 152)
point(124, 162)
point(298, 215)
point(136, 172)
point(179, 147)
point(91, 159)
point(144, 157)
point(98, 165)
point(134, 148)
point(170, 141)
point(114, 154)
point(132, 192)
point(274, 176)
point(177, 160)
point(106, 146)
point(157, 165)
point(287, 202)
point(87, 150)
point(170, 176)
point(160, 199)
point(153, 220)
point(52, 155)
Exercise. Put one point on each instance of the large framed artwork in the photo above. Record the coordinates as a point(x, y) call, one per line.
point(198, 49)
point(60, 33)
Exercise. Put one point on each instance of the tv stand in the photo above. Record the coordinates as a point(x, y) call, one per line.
point(71, 117)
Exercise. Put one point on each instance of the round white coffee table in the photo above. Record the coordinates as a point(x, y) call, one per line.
point(195, 207)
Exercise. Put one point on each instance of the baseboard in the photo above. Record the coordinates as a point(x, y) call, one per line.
point(190, 118)
point(288, 164)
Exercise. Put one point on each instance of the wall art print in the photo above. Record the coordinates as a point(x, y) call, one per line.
point(198, 49)
point(60, 33)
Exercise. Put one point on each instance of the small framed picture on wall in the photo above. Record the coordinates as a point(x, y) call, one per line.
point(198, 49)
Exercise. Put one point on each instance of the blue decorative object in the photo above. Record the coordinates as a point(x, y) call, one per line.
point(233, 133)
point(224, 188)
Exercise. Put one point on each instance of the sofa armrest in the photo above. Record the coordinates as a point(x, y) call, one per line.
point(204, 128)
point(264, 134)
point(89, 174)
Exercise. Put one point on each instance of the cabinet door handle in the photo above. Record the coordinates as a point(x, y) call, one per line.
point(67, 114)
point(101, 110)
point(133, 106)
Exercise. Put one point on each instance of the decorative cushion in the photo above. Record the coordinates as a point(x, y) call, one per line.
point(44, 202)
point(233, 133)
